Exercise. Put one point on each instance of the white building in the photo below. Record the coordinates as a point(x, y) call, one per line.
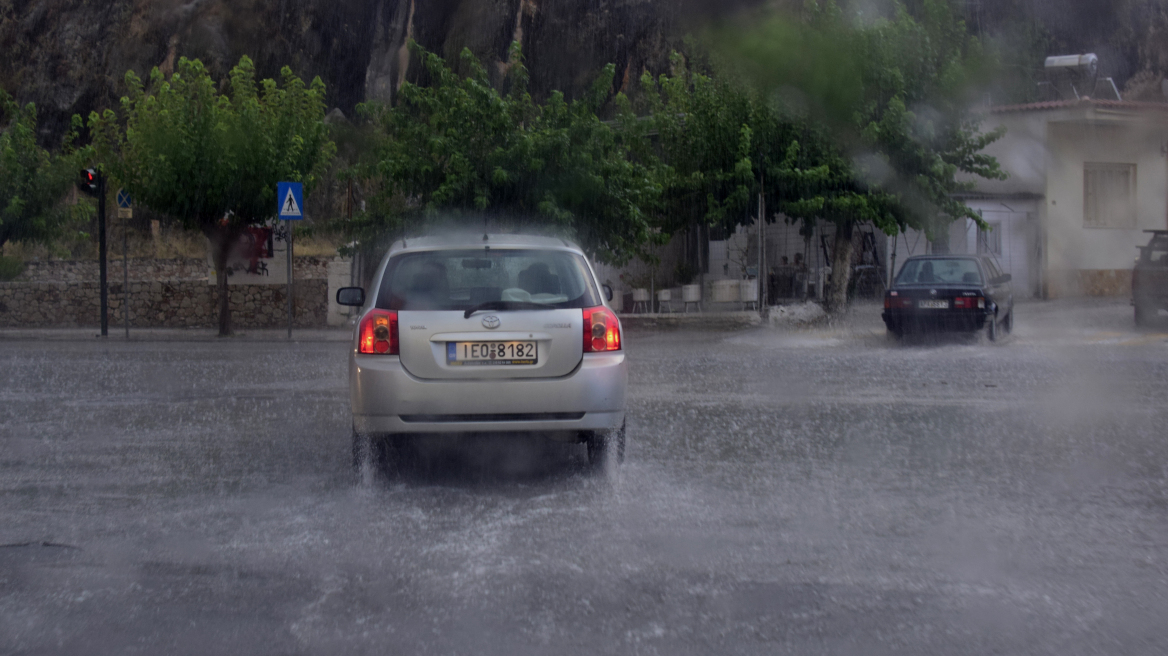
point(1086, 178)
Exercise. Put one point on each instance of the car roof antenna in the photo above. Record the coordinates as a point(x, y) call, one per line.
point(485, 235)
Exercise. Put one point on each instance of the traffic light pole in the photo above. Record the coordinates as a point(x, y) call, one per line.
point(102, 254)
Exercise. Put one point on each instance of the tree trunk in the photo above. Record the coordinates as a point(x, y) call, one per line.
point(841, 268)
point(222, 239)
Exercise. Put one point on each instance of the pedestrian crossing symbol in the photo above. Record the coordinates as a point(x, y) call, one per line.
point(290, 196)
point(290, 208)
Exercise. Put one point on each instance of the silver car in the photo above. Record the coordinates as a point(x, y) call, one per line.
point(491, 333)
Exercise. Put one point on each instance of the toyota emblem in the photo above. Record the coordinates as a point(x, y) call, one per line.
point(490, 322)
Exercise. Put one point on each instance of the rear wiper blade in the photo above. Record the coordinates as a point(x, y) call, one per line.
point(504, 305)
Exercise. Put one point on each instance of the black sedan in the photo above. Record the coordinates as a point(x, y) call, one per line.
point(949, 293)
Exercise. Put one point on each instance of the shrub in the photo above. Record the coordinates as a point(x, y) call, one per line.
point(10, 268)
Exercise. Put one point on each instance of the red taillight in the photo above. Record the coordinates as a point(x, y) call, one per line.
point(379, 333)
point(894, 300)
point(968, 302)
point(601, 330)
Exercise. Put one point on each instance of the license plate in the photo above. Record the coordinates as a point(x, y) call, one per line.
point(461, 354)
point(933, 305)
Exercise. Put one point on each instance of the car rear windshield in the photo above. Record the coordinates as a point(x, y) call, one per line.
point(461, 279)
point(935, 271)
point(1156, 252)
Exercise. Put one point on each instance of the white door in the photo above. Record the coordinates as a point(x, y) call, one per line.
point(1011, 243)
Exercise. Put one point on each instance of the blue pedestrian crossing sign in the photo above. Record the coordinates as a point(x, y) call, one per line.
point(290, 196)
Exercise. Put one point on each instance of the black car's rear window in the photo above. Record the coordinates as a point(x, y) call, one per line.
point(464, 278)
point(939, 270)
point(1155, 254)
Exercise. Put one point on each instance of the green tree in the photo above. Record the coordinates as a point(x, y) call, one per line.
point(33, 181)
point(712, 135)
point(885, 105)
point(457, 150)
point(212, 160)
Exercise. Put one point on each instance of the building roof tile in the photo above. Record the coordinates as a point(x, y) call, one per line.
point(1083, 102)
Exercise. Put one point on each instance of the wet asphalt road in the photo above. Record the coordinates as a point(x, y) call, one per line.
point(805, 492)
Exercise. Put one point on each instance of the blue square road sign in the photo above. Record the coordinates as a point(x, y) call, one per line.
point(290, 199)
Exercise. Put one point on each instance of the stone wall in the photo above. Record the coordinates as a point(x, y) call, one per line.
point(161, 304)
point(191, 268)
point(1087, 282)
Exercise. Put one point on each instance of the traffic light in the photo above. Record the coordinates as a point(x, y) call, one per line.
point(89, 183)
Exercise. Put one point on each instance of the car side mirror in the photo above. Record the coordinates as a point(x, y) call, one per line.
point(1004, 278)
point(353, 296)
point(607, 293)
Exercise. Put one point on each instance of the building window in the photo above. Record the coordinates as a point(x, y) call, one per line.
point(1109, 195)
point(990, 241)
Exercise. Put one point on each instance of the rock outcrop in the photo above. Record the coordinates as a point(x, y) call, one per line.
point(70, 56)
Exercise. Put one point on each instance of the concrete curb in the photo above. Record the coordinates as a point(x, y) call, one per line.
point(664, 321)
point(695, 320)
point(117, 334)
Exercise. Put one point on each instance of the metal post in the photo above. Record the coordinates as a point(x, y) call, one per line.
point(761, 244)
point(102, 254)
point(892, 260)
point(289, 224)
point(126, 275)
point(702, 242)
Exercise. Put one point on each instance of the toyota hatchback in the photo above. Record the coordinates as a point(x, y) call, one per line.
point(495, 333)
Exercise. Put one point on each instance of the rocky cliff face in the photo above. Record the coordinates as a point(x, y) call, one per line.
point(70, 56)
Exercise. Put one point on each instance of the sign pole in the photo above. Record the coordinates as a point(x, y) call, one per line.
point(125, 213)
point(126, 276)
point(289, 224)
point(290, 207)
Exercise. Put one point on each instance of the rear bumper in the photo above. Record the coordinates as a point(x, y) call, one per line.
point(956, 320)
point(1150, 301)
point(387, 399)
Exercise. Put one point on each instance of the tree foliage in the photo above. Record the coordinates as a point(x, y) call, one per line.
point(33, 181)
point(213, 159)
point(712, 137)
point(886, 138)
point(458, 151)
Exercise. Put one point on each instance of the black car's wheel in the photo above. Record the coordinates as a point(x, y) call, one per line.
point(605, 446)
point(1008, 323)
point(1141, 315)
point(992, 328)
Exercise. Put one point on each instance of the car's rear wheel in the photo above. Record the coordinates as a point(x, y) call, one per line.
point(362, 450)
point(1141, 315)
point(992, 327)
point(606, 446)
point(372, 455)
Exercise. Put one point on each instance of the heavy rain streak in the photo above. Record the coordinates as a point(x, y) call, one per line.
point(619, 327)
